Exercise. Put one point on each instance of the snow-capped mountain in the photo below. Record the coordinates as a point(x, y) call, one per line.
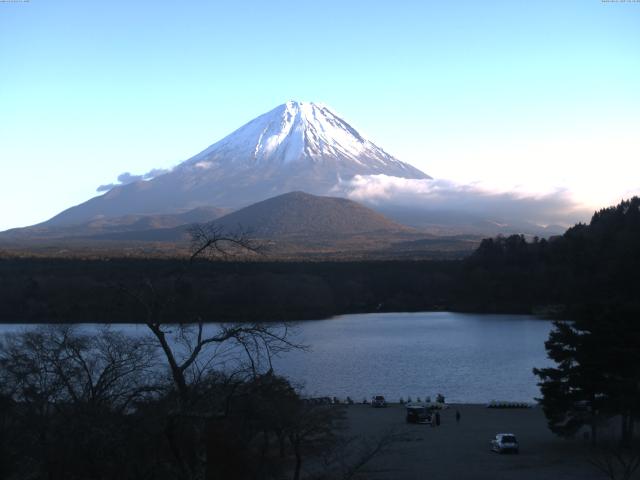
point(297, 146)
point(301, 133)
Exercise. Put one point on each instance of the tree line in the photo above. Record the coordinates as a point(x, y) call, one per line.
point(596, 263)
point(593, 273)
point(184, 401)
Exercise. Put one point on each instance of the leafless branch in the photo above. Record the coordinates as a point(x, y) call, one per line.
point(617, 463)
point(351, 457)
point(213, 241)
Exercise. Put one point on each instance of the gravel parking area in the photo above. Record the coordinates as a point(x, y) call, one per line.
point(462, 450)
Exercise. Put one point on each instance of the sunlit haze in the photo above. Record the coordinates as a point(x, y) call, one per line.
point(531, 98)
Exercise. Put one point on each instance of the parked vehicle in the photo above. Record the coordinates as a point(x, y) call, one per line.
point(418, 414)
point(505, 442)
point(378, 401)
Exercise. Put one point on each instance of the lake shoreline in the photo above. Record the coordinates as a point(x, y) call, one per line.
point(541, 314)
point(468, 357)
point(67, 290)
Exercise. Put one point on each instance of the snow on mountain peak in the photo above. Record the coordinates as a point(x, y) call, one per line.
point(297, 146)
point(305, 132)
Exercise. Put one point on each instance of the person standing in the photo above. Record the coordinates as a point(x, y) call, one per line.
point(457, 416)
point(437, 419)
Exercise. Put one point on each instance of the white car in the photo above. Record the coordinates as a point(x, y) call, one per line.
point(378, 401)
point(505, 442)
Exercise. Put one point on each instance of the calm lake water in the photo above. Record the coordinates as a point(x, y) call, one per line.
point(467, 357)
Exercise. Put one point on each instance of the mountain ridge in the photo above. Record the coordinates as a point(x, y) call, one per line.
point(294, 215)
point(116, 225)
point(296, 146)
point(300, 214)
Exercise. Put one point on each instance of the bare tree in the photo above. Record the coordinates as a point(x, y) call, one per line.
point(312, 429)
point(350, 458)
point(58, 365)
point(70, 394)
point(193, 350)
point(617, 463)
point(211, 240)
point(185, 341)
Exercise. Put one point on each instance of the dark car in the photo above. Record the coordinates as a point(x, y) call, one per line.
point(418, 414)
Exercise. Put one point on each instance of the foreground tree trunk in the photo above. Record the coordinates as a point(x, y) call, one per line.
point(626, 439)
point(298, 454)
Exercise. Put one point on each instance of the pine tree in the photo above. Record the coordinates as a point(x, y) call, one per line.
point(597, 373)
point(573, 392)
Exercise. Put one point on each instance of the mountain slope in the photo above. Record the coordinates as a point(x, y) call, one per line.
point(305, 133)
point(106, 226)
point(302, 214)
point(296, 146)
point(294, 215)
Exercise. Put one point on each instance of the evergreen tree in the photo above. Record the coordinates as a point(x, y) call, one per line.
point(597, 372)
point(573, 391)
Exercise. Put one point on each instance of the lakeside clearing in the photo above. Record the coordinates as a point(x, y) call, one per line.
point(461, 450)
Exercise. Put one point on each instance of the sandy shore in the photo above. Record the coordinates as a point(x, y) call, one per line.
point(461, 450)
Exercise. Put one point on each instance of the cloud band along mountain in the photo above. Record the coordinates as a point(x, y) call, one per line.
point(297, 146)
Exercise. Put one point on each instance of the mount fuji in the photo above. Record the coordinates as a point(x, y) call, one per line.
point(297, 146)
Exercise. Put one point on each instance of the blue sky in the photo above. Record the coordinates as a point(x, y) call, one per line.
point(534, 96)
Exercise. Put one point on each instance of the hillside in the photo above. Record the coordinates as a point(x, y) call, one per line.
point(105, 227)
point(295, 225)
point(298, 224)
point(300, 214)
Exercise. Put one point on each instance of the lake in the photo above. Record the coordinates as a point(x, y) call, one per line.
point(469, 358)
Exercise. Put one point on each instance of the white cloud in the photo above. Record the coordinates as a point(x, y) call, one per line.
point(126, 178)
point(554, 206)
point(204, 165)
